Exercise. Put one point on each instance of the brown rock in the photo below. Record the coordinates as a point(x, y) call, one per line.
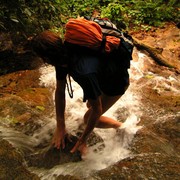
point(49, 156)
point(165, 40)
point(143, 166)
point(12, 164)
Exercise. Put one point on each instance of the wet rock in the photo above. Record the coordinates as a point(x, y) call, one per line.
point(169, 129)
point(12, 164)
point(16, 82)
point(23, 101)
point(49, 157)
point(67, 177)
point(165, 39)
point(19, 114)
point(16, 56)
point(144, 166)
point(147, 141)
point(24, 117)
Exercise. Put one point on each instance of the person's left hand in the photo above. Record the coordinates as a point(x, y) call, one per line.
point(80, 146)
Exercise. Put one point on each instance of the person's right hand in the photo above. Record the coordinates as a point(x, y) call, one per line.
point(58, 139)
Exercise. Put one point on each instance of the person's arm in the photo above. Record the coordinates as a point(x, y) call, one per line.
point(60, 103)
point(96, 112)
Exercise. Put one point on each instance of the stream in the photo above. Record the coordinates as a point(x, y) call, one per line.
point(116, 146)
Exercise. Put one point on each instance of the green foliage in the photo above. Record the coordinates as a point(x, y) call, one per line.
point(31, 16)
point(73, 8)
point(116, 12)
point(142, 13)
point(151, 12)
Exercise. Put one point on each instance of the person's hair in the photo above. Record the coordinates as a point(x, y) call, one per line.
point(49, 46)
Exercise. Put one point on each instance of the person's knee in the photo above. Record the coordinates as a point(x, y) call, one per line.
point(88, 104)
point(86, 116)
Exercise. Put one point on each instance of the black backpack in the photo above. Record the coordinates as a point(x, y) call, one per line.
point(110, 29)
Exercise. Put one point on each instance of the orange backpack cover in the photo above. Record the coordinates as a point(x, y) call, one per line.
point(89, 34)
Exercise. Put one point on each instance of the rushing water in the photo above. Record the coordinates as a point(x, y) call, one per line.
point(116, 148)
point(116, 145)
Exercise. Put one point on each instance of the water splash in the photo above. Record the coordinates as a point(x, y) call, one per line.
point(47, 77)
point(116, 148)
point(19, 140)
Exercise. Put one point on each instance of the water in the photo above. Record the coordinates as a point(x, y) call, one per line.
point(17, 139)
point(116, 144)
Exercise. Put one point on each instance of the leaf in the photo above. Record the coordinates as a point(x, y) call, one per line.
point(2, 25)
point(14, 20)
point(27, 11)
point(149, 76)
point(41, 108)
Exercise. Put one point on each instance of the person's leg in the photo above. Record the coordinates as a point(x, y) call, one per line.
point(104, 121)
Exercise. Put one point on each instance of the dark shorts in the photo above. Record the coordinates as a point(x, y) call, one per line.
point(96, 75)
point(113, 85)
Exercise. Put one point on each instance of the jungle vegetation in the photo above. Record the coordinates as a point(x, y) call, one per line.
point(32, 16)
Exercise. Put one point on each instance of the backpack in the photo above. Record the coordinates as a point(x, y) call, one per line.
point(98, 34)
point(110, 29)
point(89, 34)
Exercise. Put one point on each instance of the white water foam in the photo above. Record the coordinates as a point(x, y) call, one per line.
point(19, 140)
point(116, 149)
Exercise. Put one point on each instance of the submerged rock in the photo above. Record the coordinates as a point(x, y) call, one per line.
point(49, 156)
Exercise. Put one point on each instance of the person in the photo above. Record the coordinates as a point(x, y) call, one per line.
point(103, 78)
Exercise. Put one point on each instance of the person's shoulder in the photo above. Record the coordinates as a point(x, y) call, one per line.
point(60, 67)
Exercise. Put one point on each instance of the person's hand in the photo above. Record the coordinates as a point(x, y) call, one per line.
point(58, 139)
point(80, 146)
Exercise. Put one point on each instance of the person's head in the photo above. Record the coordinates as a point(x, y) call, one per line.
point(49, 46)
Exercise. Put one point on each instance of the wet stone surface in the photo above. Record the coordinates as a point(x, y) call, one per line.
point(24, 104)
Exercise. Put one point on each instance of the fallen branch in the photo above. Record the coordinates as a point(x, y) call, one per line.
point(155, 53)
